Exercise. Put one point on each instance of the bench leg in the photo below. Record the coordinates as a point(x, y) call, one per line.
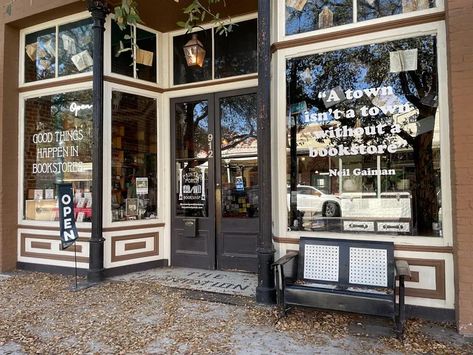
point(401, 317)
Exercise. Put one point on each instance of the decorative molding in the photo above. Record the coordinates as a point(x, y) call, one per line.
point(212, 83)
point(135, 246)
point(388, 25)
point(41, 245)
point(132, 83)
point(46, 228)
point(399, 247)
point(134, 242)
point(56, 83)
point(425, 249)
point(440, 288)
point(133, 227)
point(29, 254)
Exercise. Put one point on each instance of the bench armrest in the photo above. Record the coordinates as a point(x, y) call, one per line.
point(284, 267)
point(402, 268)
point(286, 258)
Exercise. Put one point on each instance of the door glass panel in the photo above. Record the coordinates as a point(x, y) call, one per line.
point(193, 138)
point(238, 120)
point(192, 188)
point(240, 187)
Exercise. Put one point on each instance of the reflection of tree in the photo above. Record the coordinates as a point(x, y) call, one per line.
point(192, 128)
point(238, 120)
point(307, 19)
point(368, 67)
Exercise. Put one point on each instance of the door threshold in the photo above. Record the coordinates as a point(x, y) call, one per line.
point(232, 283)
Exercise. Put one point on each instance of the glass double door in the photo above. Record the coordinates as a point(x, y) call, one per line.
point(215, 209)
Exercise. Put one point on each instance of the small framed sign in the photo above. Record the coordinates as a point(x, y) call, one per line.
point(49, 194)
point(131, 207)
point(38, 194)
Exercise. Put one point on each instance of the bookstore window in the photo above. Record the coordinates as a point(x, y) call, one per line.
point(311, 15)
point(134, 157)
point(363, 132)
point(144, 50)
point(57, 149)
point(72, 54)
point(225, 55)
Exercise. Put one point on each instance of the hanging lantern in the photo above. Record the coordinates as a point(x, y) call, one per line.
point(194, 52)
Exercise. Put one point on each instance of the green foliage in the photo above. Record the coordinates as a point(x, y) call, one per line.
point(197, 13)
point(127, 13)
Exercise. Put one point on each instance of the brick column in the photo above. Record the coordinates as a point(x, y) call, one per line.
point(460, 57)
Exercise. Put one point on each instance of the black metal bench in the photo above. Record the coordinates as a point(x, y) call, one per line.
point(346, 275)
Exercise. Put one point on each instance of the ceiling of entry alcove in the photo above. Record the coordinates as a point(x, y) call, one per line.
point(162, 15)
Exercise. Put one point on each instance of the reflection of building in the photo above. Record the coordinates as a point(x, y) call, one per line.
point(162, 118)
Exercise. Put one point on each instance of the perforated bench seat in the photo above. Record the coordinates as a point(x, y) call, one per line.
point(344, 275)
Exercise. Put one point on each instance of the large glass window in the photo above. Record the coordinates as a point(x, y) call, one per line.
point(310, 15)
point(134, 157)
point(74, 51)
point(235, 54)
point(363, 139)
point(57, 149)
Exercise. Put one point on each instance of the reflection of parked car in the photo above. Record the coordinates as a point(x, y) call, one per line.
point(309, 199)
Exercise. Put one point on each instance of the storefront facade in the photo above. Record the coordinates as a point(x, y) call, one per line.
point(368, 139)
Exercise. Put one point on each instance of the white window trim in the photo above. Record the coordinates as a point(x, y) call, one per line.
point(55, 23)
point(108, 55)
point(280, 214)
point(21, 152)
point(212, 80)
point(107, 162)
point(281, 25)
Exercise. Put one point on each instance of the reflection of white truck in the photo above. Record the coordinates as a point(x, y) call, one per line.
point(366, 211)
point(314, 201)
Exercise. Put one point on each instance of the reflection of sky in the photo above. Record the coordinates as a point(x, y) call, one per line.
point(200, 109)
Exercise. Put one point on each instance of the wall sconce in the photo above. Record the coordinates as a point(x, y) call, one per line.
point(194, 52)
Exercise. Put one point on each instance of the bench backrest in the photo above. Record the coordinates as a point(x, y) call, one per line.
point(348, 263)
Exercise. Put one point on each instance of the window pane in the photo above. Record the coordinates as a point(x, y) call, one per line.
point(370, 9)
point(363, 129)
point(192, 130)
point(40, 55)
point(238, 121)
point(192, 188)
point(184, 74)
point(75, 47)
point(235, 53)
point(58, 141)
point(146, 55)
point(240, 187)
point(122, 56)
point(134, 157)
point(310, 15)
